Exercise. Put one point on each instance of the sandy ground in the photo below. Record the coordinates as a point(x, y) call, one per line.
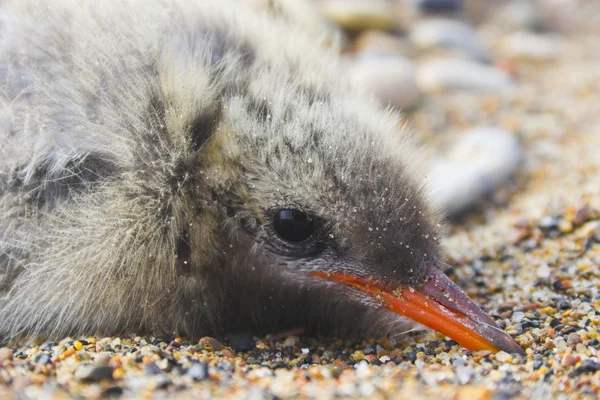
point(530, 255)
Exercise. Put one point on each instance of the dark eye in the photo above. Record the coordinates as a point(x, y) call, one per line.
point(293, 225)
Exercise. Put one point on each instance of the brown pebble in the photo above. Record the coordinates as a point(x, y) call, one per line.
point(227, 353)
point(94, 373)
point(5, 354)
point(20, 383)
point(573, 338)
point(102, 359)
point(211, 343)
point(569, 360)
point(582, 215)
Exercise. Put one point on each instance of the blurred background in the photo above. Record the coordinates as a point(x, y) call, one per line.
point(503, 93)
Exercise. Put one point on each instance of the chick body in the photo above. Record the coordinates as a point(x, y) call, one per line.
point(144, 149)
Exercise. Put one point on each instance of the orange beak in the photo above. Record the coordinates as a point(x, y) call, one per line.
point(440, 305)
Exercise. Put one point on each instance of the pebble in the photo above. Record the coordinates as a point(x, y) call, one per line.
point(569, 359)
point(482, 160)
point(573, 338)
point(521, 14)
point(359, 15)
point(441, 75)
point(503, 356)
point(464, 374)
point(518, 316)
point(582, 214)
point(211, 343)
point(94, 373)
point(439, 6)
point(5, 354)
point(448, 34)
point(42, 358)
point(159, 382)
point(390, 78)
point(198, 371)
point(373, 42)
point(529, 46)
point(548, 222)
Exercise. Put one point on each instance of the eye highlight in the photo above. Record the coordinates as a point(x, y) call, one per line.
point(293, 226)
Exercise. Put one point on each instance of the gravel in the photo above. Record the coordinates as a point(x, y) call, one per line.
point(529, 254)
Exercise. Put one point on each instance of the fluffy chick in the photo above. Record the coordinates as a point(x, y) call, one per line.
point(147, 147)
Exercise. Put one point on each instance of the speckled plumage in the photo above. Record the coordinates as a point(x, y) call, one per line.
point(144, 149)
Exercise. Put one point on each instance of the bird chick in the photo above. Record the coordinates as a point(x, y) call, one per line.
point(194, 167)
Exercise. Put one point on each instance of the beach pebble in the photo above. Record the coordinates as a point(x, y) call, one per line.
point(531, 46)
point(198, 371)
point(503, 356)
point(455, 74)
point(437, 6)
point(211, 343)
point(373, 42)
point(521, 14)
point(569, 360)
point(94, 373)
point(464, 374)
point(390, 78)
point(482, 160)
point(5, 354)
point(358, 15)
point(448, 34)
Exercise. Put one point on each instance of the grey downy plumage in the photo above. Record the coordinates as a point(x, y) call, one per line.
point(148, 149)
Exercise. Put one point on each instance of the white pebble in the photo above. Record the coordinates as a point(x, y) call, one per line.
point(448, 34)
point(357, 15)
point(455, 74)
point(531, 46)
point(503, 356)
point(390, 78)
point(483, 159)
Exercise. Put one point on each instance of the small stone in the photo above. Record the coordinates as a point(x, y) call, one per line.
point(102, 359)
point(289, 341)
point(464, 374)
point(528, 46)
point(503, 356)
point(439, 6)
point(588, 366)
point(6, 354)
point(198, 371)
point(211, 343)
point(573, 338)
point(582, 215)
point(374, 42)
point(390, 78)
point(448, 34)
point(42, 358)
point(483, 159)
point(548, 222)
point(521, 14)
point(152, 369)
point(565, 226)
point(94, 373)
point(160, 381)
point(443, 74)
point(358, 15)
point(252, 361)
point(518, 316)
point(21, 382)
point(569, 360)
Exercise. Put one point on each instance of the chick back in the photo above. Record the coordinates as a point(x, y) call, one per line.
point(104, 111)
